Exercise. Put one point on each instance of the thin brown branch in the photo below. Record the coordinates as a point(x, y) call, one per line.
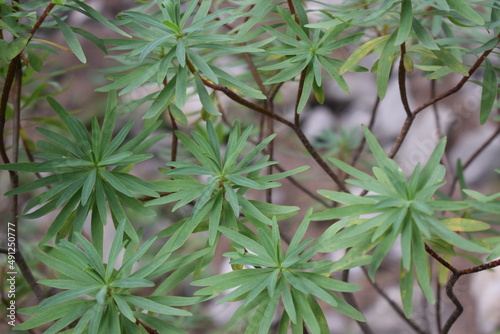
point(146, 327)
point(293, 11)
point(9, 80)
point(441, 260)
point(401, 137)
point(438, 306)
point(349, 298)
point(255, 73)
point(440, 133)
point(456, 274)
point(19, 258)
point(456, 88)
point(393, 305)
point(175, 141)
point(42, 18)
point(402, 82)
point(481, 267)
point(303, 188)
point(362, 144)
point(474, 156)
point(269, 191)
point(459, 308)
point(460, 84)
point(274, 90)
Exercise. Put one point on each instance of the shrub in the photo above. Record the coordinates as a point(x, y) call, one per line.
point(238, 60)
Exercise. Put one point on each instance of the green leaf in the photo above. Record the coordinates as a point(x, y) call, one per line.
point(385, 63)
point(382, 249)
point(405, 22)
point(202, 65)
point(91, 12)
point(205, 99)
point(454, 239)
point(162, 100)
point(124, 308)
point(424, 36)
point(289, 73)
point(16, 47)
point(447, 58)
point(345, 211)
point(489, 92)
point(345, 198)
point(116, 247)
point(232, 199)
point(44, 316)
point(61, 218)
point(420, 257)
point(306, 89)
point(292, 24)
point(465, 225)
point(71, 39)
point(35, 61)
point(406, 290)
point(91, 254)
point(462, 8)
point(62, 297)
point(361, 52)
point(250, 210)
point(114, 182)
point(88, 186)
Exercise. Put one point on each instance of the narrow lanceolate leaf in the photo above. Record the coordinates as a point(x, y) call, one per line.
point(205, 99)
point(361, 52)
point(306, 89)
point(162, 101)
point(424, 36)
point(202, 65)
point(462, 8)
point(449, 60)
point(71, 39)
point(406, 289)
point(88, 186)
point(16, 46)
point(489, 92)
point(91, 12)
point(405, 23)
point(385, 65)
point(465, 225)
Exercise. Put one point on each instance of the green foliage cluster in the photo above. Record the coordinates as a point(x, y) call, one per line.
point(189, 50)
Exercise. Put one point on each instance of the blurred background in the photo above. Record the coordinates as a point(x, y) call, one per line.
point(334, 128)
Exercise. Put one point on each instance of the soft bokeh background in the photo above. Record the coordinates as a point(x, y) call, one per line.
point(334, 127)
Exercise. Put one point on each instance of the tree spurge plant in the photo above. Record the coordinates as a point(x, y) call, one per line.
point(79, 202)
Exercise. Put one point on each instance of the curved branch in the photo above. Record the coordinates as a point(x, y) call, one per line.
point(459, 308)
point(474, 156)
point(393, 305)
point(402, 82)
point(459, 85)
point(456, 88)
point(362, 144)
point(456, 274)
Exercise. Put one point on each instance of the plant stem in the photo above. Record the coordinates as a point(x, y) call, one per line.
point(474, 156)
point(409, 120)
point(175, 141)
point(456, 274)
point(402, 82)
point(362, 144)
point(393, 305)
